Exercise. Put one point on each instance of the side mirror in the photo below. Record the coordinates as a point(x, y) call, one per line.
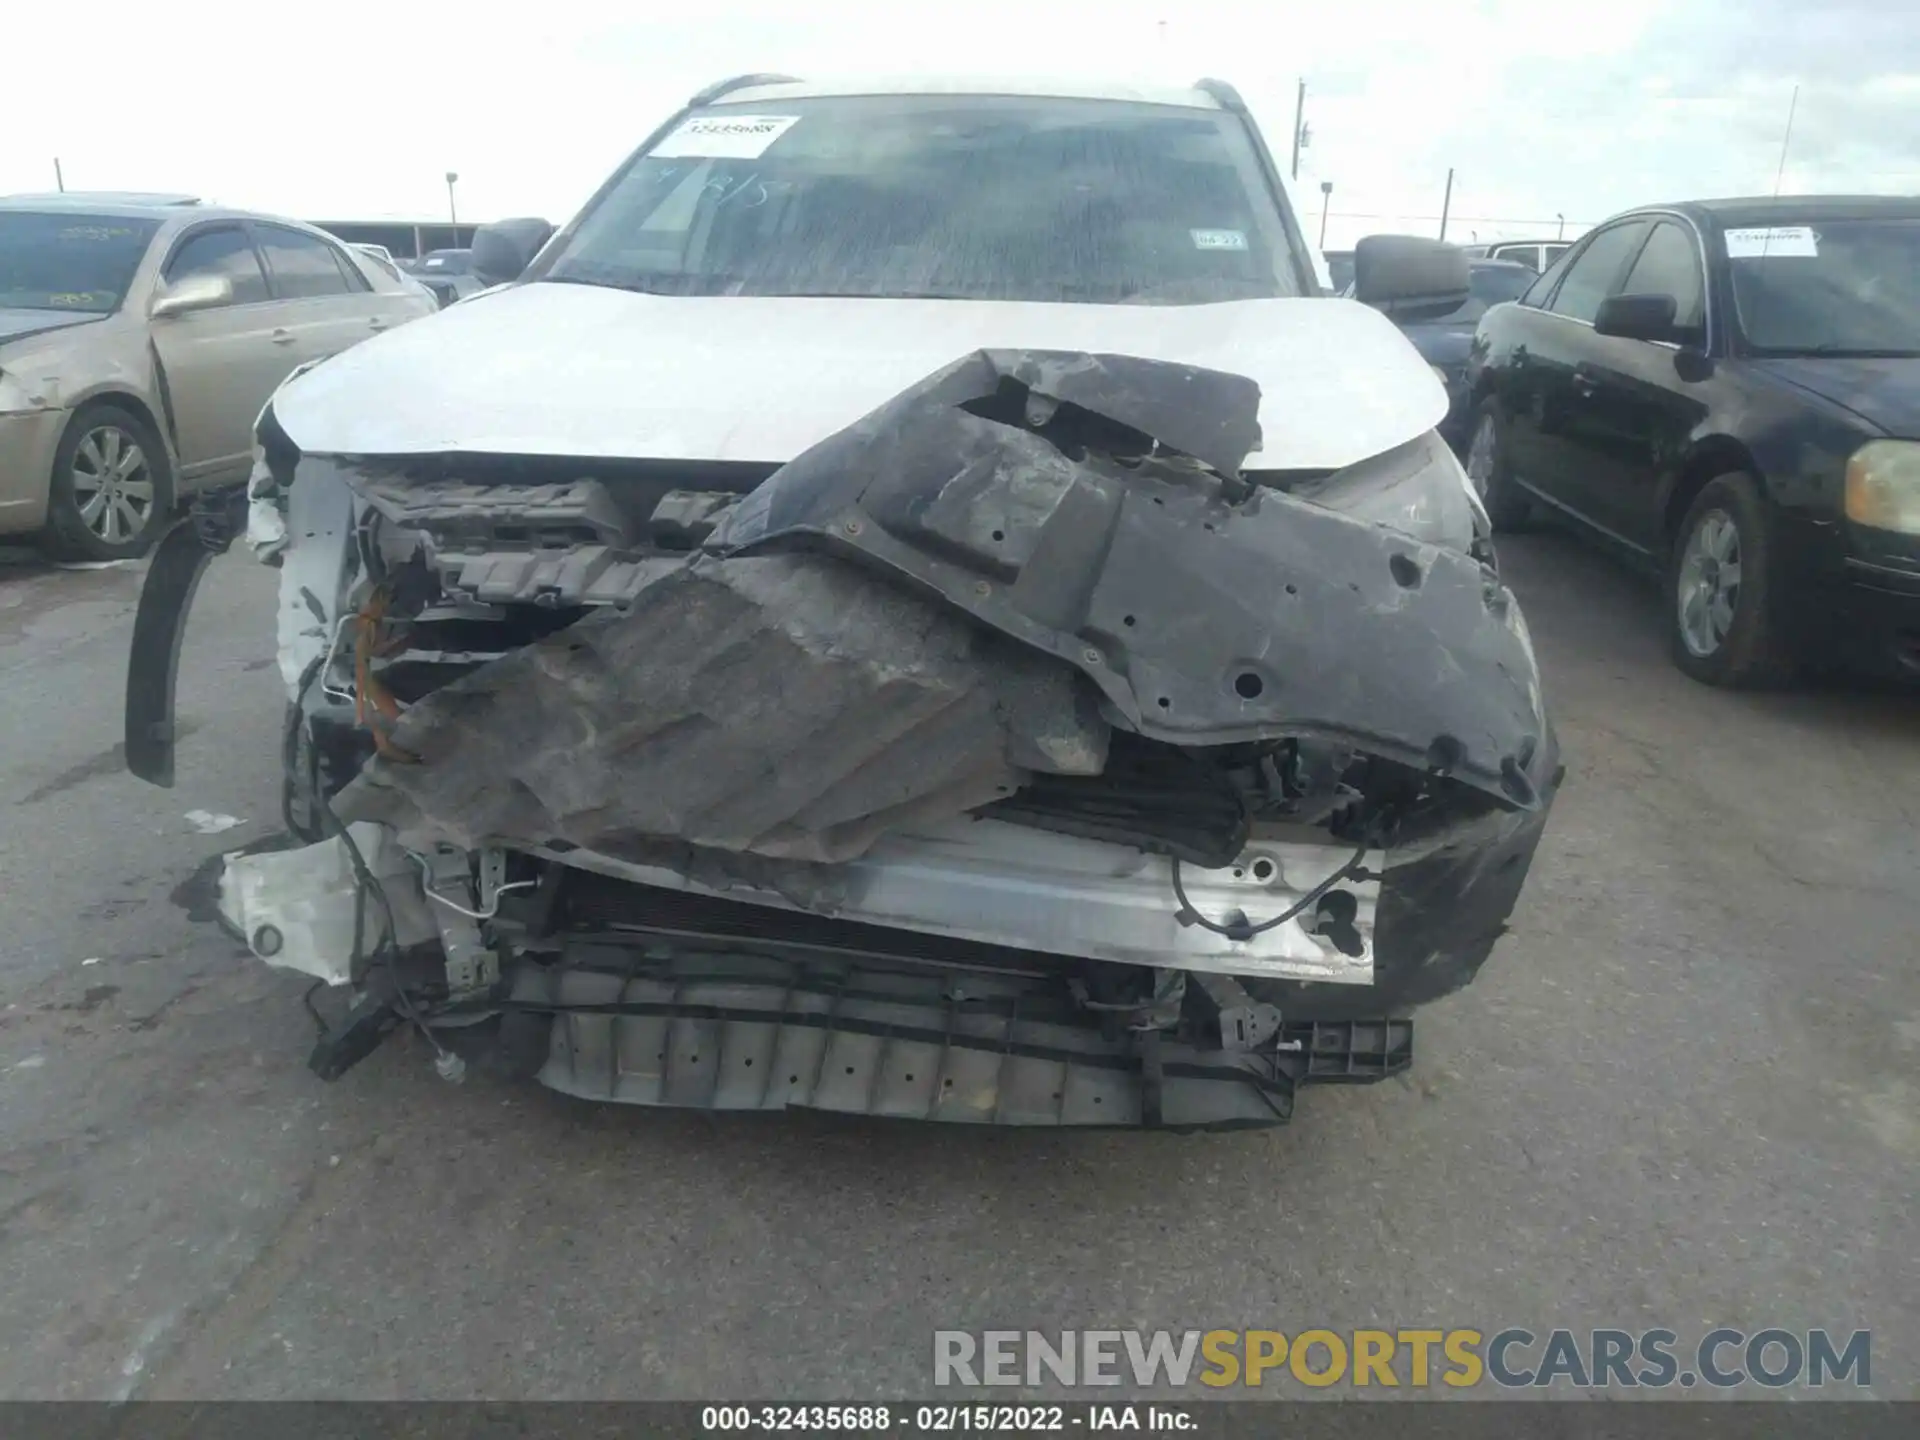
point(193, 292)
point(1409, 277)
point(1637, 317)
point(503, 250)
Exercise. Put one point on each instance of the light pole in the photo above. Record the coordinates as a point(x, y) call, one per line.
point(1561, 233)
point(453, 215)
point(1326, 194)
point(1446, 205)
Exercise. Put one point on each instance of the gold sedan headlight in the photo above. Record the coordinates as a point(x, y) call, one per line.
point(1883, 486)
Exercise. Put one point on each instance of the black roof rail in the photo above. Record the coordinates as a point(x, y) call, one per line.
point(739, 82)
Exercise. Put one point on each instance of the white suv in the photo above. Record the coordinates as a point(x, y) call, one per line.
point(912, 603)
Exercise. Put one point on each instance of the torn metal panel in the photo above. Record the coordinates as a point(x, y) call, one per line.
point(783, 706)
point(300, 909)
point(1210, 415)
point(316, 575)
point(1417, 488)
point(1206, 611)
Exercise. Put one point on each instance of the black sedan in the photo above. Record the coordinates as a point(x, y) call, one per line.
point(447, 273)
point(1445, 341)
point(1728, 391)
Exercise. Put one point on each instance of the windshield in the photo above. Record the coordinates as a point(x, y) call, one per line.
point(71, 262)
point(941, 196)
point(1841, 287)
point(1492, 285)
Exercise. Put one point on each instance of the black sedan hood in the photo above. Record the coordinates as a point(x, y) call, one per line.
point(1884, 392)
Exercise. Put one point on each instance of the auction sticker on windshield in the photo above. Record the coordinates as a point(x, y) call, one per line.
point(1764, 240)
point(1218, 239)
point(724, 137)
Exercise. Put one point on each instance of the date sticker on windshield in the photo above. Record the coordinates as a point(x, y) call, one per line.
point(1218, 239)
point(1770, 240)
point(724, 137)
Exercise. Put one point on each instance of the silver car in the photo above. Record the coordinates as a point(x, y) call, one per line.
point(139, 338)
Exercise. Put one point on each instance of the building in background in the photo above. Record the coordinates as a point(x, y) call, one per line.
point(404, 239)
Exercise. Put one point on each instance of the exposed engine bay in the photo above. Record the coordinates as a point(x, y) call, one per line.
point(1016, 754)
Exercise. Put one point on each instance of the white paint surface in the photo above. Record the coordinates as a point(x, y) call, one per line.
point(576, 370)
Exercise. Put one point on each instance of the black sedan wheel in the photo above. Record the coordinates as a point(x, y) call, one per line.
point(1720, 601)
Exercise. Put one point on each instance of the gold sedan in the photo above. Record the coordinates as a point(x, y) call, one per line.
point(139, 338)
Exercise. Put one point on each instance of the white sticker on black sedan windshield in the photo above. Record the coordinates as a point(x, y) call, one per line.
point(1218, 239)
point(1770, 240)
point(724, 137)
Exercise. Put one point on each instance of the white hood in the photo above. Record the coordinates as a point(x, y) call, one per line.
point(574, 370)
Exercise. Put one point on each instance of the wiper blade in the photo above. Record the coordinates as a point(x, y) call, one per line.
point(1849, 352)
point(635, 286)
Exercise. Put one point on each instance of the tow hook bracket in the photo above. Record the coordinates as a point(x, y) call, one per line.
point(471, 965)
point(1245, 1023)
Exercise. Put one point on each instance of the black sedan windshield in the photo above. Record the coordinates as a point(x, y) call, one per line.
point(1839, 287)
point(1488, 285)
point(943, 196)
point(65, 261)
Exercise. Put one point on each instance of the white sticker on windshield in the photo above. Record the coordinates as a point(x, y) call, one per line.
point(1759, 240)
point(1218, 239)
point(724, 137)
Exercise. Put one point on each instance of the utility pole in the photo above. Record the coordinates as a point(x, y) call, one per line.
point(1326, 194)
point(452, 214)
point(58, 178)
point(1446, 205)
point(1299, 124)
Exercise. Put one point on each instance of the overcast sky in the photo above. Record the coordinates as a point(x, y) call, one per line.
point(1544, 110)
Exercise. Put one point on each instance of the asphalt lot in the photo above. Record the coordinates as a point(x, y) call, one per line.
point(1686, 1092)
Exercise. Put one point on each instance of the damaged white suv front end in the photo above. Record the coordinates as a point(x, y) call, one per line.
point(1082, 733)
